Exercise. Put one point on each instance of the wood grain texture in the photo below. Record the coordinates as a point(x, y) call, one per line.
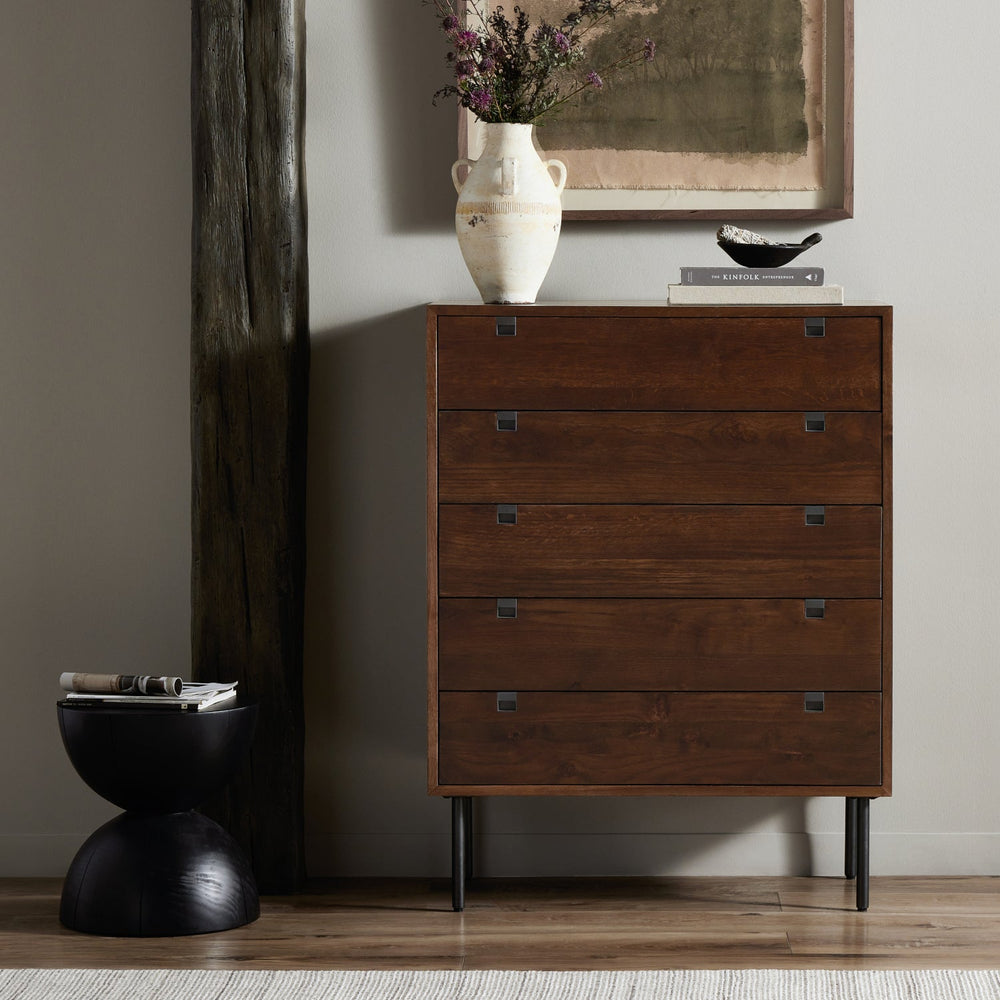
point(715, 362)
point(658, 738)
point(526, 923)
point(659, 645)
point(629, 457)
point(614, 550)
point(145, 874)
point(249, 384)
point(432, 547)
point(887, 515)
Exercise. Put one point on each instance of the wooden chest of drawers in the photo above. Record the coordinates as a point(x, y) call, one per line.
point(659, 552)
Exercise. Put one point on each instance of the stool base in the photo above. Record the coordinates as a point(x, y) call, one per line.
point(159, 875)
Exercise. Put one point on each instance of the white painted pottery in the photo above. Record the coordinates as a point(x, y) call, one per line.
point(509, 214)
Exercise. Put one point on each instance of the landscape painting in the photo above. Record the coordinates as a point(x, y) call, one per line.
point(743, 111)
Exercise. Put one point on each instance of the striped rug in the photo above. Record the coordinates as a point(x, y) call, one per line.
point(752, 984)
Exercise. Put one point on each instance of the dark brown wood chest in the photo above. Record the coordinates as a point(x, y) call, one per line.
point(659, 551)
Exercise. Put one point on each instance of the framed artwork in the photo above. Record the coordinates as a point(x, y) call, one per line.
point(745, 113)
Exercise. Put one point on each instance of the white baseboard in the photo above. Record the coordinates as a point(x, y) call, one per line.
point(511, 855)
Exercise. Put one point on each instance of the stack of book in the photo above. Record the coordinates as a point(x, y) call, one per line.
point(142, 691)
point(753, 286)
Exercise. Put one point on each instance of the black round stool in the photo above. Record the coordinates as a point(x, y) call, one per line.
point(158, 869)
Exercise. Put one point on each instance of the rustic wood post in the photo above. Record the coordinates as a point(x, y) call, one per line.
point(249, 385)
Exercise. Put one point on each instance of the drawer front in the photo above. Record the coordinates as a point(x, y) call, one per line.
point(642, 457)
point(659, 645)
point(658, 551)
point(659, 363)
point(659, 739)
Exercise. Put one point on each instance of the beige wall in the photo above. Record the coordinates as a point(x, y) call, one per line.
point(94, 480)
point(94, 327)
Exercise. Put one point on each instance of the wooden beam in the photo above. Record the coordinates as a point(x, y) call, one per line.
point(249, 386)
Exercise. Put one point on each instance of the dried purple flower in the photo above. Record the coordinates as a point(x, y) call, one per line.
point(466, 41)
point(504, 70)
point(480, 101)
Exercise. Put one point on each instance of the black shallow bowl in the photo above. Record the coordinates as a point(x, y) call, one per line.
point(768, 254)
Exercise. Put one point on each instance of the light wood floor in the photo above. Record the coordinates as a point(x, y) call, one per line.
point(552, 924)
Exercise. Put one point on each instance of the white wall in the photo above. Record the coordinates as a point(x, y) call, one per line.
point(381, 245)
point(94, 479)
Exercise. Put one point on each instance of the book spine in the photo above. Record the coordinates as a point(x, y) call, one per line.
point(749, 276)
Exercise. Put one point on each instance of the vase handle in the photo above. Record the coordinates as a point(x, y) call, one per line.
point(508, 175)
point(561, 167)
point(454, 172)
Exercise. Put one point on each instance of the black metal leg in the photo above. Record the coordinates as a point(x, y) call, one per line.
point(864, 830)
point(458, 811)
point(851, 838)
point(470, 838)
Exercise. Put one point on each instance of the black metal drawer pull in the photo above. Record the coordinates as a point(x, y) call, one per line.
point(816, 515)
point(506, 607)
point(506, 513)
point(814, 701)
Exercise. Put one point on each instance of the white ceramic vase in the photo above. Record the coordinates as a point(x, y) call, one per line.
point(509, 214)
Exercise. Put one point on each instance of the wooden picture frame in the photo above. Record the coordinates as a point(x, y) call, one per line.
point(725, 186)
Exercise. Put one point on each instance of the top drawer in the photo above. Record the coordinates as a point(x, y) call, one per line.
point(659, 363)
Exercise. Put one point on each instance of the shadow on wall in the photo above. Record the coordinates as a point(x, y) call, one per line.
point(365, 641)
point(365, 669)
point(419, 141)
point(651, 836)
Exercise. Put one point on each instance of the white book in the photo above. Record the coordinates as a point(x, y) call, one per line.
point(724, 295)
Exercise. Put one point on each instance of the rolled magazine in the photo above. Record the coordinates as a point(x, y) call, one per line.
point(121, 684)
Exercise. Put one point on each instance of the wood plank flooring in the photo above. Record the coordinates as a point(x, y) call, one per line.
point(551, 924)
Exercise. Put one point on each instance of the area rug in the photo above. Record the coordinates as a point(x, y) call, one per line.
point(750, 984)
